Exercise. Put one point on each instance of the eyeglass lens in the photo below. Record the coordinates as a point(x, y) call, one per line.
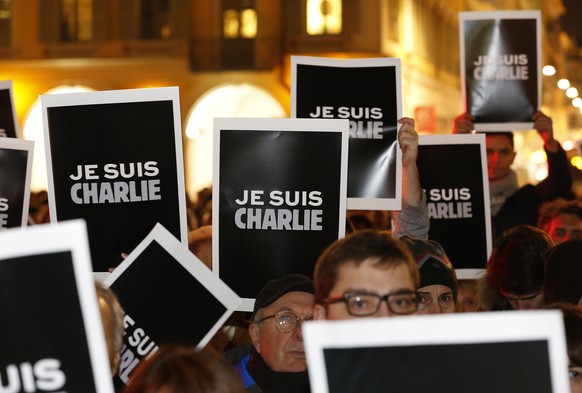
point(367, 304)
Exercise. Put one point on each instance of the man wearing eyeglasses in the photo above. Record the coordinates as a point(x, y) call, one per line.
point(276, 361)
point(365, 274)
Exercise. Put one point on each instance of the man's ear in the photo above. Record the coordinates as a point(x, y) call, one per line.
point(319, 312)
point(255, 334)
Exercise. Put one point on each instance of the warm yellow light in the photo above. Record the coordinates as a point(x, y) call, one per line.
point(232, 100)
point(572, 92)
point(33, 130)
point(408, 21)
point(24, 94)
point(230, 24)
point(577, 102)
point(568, 145)
point(538, 157)
point(248, 20)
point(563, 84)
point(541, 174)
point(549, 70)
point(324, 17)
point(576, 161)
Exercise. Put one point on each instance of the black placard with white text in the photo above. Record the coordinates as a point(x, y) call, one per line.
point(169, 297)
point(278, 198)
point(115, 160)
point(525, 352)
point(453, 172)
point(15, 172)
point(500, 68)
point(51, 333)
point(8, 120)
point(367, 93)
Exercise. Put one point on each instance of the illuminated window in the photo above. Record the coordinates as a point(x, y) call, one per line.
point(230, 24)
point(33, 131)
point(241, 24)
point(229, 100)
point(76, 20)
point(324, 17)
point(5, 9)
point(248, 28)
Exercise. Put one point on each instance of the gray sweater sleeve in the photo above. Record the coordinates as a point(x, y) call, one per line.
point(412, 220)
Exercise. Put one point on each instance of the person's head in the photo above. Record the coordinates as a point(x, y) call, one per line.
point(573, 329)
point(500, 154)
point(112, 318)
point(563, 272)
point(467, 297)
point(561, 219)
point(275, 331)
point(200, 244)
point(516, 266)
point(177, 369)
point(365, 274)
point(438, 282)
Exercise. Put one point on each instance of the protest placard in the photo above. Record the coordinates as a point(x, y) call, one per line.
point(510, 351)
point(501, 68)
point(52, 336)
point(279, 193)
point(169, 297)
point(9, 126)
point(367, 92)
point(453, 173)
point(15, 171)
point(115, 159)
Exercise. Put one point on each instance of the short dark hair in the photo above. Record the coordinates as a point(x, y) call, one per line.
point(573, 327)
point(516, 264)
point(550, 210)
point(507, 134)
point(355, 248)
point(176, 368)
point(563, 272)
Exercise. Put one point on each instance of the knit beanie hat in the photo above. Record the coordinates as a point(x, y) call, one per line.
point(433, 264)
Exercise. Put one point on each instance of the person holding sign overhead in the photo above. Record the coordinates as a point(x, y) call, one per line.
point(413, 219)
point(510, 204)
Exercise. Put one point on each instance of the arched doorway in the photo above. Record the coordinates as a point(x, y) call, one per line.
point(228, 100)
point(32, 130)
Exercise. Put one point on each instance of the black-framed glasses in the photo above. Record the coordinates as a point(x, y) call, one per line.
point(361, 304)
point(285, 321)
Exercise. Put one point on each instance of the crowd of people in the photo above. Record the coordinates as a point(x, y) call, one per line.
point(384, 270)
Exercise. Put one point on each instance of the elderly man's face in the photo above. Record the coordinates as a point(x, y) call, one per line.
point(282, 351)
